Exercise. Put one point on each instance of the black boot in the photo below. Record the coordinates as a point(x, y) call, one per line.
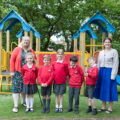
point(44, 106)
point(94, 111)
point(48, 106)
point(89, 109)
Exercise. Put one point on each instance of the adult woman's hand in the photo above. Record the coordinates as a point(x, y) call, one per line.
point(12, 73)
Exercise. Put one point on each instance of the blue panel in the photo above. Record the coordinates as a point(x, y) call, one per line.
point(97, 19)
point(76, 35)
point(13, 17)
point(10, 26)
point(20, 33)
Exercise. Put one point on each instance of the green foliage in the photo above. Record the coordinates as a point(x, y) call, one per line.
point(50, 17)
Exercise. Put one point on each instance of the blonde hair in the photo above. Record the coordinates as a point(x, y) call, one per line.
point(91, 58)
point(23, 38)
point(60, 51)
point(48, 57)
point(31, 54)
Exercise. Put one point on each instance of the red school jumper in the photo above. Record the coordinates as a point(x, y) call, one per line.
point(29, 75)
point(60, 72)
point(92, 77)
point(45, 75)
point(76, 76)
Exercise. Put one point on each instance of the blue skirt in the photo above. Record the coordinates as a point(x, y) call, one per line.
point(106, 89)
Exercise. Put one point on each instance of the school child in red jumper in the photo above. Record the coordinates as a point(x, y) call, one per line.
point(45, 78)
point(60, 69)
point(76, 78)
point(29, 73)
point(91, 78)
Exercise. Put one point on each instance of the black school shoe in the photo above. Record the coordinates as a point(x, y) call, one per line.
point(76, 111)
point(56, 110)
point(44, 110)
point(47, 110)
point(60, 110)
point(69, 110)
point(94, 111)
point(31, 110)
point(89, 110)
point(27, 110)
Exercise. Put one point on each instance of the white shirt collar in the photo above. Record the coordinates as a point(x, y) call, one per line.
point(73, 66)
point(59, 61)
point(94, 65)
point(29, 65)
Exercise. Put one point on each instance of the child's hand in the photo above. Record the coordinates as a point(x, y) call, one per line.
point(45, 85)
point(42, 84)
point(86, 74)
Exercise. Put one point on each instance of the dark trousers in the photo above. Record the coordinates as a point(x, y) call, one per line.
point(74, 92)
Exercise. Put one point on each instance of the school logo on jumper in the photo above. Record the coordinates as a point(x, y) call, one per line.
point(76, 72)
point(34, 69)
point(49, 70)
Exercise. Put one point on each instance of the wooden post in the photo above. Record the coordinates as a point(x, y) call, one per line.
point(0, 52)
point(31, 38)
point(8, 49)
point(8, 56)
point(82, 48)
point(39, 44)
point(103, 37)
point(93, 47)
point(0, 84)
point(110, 35)
point(75, 45)
point(37, 49)
point(25, 33)
point(19, 41)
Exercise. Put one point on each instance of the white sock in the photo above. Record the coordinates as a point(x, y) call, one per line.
point(15, 99)
point(60, 106)
point(22, 98)
point(31, 102)
point(57, 106)
point(27, 102)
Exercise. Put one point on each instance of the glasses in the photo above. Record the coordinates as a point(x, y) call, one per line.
point(107, 42)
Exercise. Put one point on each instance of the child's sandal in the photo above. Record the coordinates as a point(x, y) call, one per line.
point(109, 111)
point(101, 110)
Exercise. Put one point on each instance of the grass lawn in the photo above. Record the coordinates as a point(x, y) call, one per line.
point(6, 105)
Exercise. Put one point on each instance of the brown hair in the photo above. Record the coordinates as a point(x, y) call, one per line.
point(29, 53)
point(107, 38)
point(48, 57)
point(60, 51)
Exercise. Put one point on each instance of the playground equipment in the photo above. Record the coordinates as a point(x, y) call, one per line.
point(82, 54)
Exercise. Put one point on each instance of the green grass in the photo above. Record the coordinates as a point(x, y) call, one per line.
point(6, 105)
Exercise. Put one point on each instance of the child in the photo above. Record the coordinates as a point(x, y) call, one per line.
point(60, 69)
point(76, 78)
point(91, 78)
point(45, 78)
point(29, 73)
